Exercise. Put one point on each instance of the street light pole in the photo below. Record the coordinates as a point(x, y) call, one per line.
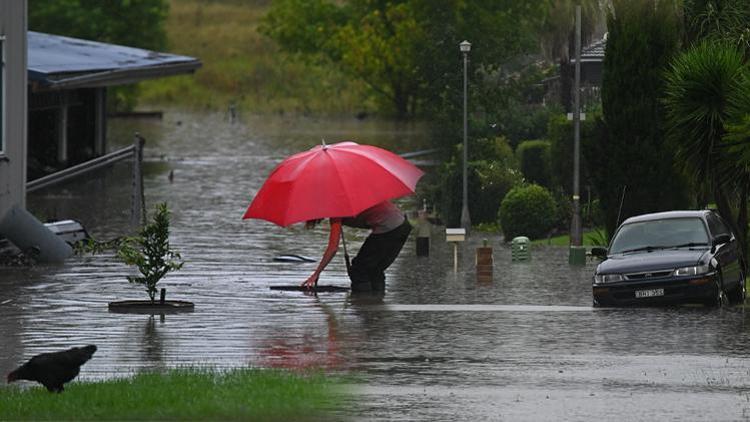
point(465, 47)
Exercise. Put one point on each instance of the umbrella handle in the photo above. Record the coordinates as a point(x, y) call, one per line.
point(346, 254)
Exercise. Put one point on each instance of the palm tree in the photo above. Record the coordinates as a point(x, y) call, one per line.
point(723, 20)
point(707, 89)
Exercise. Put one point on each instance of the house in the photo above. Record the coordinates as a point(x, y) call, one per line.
point(53, 93)
point(592, 62)
point(592, 66)
point(68, 80)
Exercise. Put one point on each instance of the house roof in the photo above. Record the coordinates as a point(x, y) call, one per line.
point(593, 52)
point(57, 62)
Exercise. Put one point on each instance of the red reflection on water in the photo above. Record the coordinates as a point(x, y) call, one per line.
point(311, 351)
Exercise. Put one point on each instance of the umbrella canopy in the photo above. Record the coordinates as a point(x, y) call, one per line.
point(338, 180)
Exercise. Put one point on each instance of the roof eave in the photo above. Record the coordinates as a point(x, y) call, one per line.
point(114, 77)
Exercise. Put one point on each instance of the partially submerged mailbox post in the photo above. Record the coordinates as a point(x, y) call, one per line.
point(424, 228)
point(484, 262)
point(454, 236)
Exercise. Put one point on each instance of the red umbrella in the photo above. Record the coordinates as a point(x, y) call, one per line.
point(338, 180)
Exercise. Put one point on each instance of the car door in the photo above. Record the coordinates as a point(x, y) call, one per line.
point(728, 253)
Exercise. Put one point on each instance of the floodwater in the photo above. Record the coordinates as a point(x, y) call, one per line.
point(438, 346)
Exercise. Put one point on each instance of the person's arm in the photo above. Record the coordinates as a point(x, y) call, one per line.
point(333, 246)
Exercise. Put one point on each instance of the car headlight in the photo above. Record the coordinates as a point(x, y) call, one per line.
point(607, 278)
point(694, 270)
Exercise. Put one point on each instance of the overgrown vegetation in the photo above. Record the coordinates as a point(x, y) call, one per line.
point(182, 394)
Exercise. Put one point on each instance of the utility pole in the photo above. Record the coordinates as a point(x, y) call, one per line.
point(577, 251)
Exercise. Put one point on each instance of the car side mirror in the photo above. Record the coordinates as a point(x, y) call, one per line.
point(722, 238)
point(599, 252)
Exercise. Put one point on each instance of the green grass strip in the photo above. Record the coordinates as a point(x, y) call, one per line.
point(181, 394)
point(590, 238)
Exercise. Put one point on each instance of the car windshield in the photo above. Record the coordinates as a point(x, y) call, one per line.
point(660, 234)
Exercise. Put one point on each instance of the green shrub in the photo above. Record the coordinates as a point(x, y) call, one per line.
point(528, 210)
point(534, 161)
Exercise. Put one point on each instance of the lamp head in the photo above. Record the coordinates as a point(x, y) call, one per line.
point(465, 46)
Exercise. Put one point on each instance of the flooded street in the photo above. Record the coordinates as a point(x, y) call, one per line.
point(438, 346)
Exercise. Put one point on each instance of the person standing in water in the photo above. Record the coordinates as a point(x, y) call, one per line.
point(389, 230)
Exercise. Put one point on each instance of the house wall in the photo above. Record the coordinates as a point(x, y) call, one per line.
point(13, 156)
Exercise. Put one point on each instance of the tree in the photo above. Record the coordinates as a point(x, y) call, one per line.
point(718, 20)
point(534, 160)
point(150, 252)
point(407, 50)
point(630, 153)
point(135, 23)
point(558, 26)
point(708, 88)
point(491, 172)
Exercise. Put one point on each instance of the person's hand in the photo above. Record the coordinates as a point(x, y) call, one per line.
point(311, 281)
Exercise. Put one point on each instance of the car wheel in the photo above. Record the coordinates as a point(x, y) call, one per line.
point(720, 298)
point(738, 295)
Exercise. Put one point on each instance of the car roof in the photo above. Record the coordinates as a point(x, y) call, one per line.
point(666, 215)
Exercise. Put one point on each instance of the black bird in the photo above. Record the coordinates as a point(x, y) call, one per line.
point(53, 369)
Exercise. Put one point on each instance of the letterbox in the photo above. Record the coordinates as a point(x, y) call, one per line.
point(455, 235)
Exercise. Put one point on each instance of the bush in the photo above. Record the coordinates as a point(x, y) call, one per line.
point(534, 161)
point(527, 211)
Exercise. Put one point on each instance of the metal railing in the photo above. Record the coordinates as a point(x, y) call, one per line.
point(135, 151)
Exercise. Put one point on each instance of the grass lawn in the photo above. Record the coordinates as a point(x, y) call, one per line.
point(590, 238)
point(181, 394)
point(245, 68)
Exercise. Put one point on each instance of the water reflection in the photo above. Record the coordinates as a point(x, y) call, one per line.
point(437, 346)
point(152, 343)
point(315, 349)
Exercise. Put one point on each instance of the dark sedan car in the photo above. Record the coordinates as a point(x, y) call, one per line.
point(670, 257)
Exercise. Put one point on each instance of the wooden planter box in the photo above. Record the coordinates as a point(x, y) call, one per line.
point(149, 307)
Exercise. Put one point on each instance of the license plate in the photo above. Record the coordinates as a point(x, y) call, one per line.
point(649, 293)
